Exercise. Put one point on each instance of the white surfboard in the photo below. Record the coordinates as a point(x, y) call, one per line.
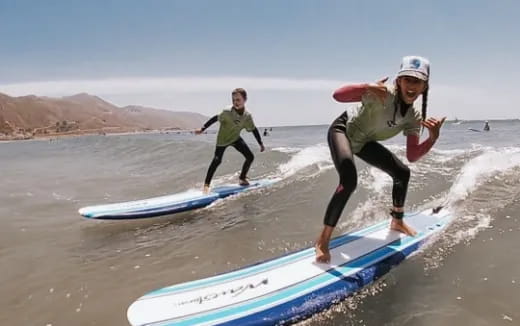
point(287, 288)
point(170, 204)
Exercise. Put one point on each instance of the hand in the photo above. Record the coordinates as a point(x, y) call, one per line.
point(262, 148)
point(433, 126)
point(199, 131)
point(378, 89)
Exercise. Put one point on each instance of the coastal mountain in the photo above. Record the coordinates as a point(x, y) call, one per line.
point(162, 118)
point(83, 113)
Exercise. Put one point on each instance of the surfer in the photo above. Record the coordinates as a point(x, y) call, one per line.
point(486, 126)
point(232, 121)
point(384, 112)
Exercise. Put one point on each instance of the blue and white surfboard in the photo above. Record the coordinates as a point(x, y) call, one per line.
point(170, 204)
point(288, 288)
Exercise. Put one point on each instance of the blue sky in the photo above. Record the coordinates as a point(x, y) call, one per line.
point(289, 54)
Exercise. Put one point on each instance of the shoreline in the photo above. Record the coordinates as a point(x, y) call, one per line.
point(81, 133)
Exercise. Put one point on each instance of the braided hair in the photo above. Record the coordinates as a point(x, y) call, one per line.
point(425, 101)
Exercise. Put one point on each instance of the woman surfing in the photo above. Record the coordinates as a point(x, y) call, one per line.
point(384, 112)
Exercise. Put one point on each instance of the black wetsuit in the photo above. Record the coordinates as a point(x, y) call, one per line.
point(240, 145)
point(374, 154)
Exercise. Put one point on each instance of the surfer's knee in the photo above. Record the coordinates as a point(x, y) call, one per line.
point(217, 160)
point(403, 174)
point(250, 157)
point(348, 176)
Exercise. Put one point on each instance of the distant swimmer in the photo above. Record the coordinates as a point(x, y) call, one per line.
point(486, 126)
point(266, 133)
point(232, 121)
point(384, 112)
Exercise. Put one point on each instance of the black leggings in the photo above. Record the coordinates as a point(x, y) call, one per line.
point(374, 154)
point(240, 146)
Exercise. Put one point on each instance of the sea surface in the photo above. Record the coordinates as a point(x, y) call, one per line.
point(57, 268)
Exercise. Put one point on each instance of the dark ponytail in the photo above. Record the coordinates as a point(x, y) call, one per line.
point(425, 102)
point(397, 98)
point(424, 105)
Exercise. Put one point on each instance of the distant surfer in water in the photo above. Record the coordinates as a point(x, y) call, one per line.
point(232, 121)
point(384, 112)
point(486, 126)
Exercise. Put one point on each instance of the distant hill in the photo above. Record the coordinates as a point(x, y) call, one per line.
point(83, 113)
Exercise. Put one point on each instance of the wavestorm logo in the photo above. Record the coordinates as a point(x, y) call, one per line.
point(233, 292)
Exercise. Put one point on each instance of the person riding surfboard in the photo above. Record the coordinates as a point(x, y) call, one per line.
point(232, 120)
point(384, 112)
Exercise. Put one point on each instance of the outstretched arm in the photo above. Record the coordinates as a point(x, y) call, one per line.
point(355, 92)
point(210, 122)
point(350, 93)
point(207, 124)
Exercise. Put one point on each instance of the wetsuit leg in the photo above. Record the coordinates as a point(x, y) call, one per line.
point(343, 159)
point(379, 156)
point(217, 159)
point(242, 147)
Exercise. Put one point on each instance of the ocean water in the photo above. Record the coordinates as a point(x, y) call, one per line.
point(57, 268)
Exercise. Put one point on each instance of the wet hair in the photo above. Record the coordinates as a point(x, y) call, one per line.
point(240, 91)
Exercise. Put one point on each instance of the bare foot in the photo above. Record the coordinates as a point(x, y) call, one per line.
point(243, 182)
point(322, 252)
point(205, 190)
point(400, 226)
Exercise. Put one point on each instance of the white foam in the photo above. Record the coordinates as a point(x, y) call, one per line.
point(308, 156)
point(448, 152)
point(478, 169)
point(315, 155)
point(446, 155)
point(465, 234)
point(288, 150)
point(366, 213)
point(377, 180)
